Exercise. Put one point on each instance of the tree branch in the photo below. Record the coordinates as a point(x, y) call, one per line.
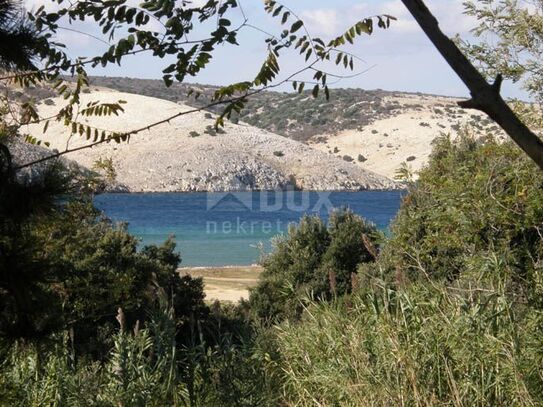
point(118, 136)
point(484, 96)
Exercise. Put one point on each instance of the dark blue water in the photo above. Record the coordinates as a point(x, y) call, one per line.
point(217, 229)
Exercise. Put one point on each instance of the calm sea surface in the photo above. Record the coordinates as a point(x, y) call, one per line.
point(218, 229)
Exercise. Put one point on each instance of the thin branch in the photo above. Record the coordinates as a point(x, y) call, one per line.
point(85, 34)
point(55, 67)
point(93, 60)
point(166, 120)
point(354, 75)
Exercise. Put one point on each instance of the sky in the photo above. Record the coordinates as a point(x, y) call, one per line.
point(400, 58)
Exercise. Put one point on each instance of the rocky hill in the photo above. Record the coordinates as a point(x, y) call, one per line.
point(375, 129)
point(186, 154)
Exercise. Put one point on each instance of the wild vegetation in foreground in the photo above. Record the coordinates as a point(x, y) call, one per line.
point(447, 311)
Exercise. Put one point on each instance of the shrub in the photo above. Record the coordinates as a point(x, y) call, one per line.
point(450, 314)
point(476, 200)
point(103, 270)
point(106, 167)
point(145, 367)
point(278, 153)
point(76, 268)
point(361, 158)
point(347, 158)
point(313, 260)
point(194, 134)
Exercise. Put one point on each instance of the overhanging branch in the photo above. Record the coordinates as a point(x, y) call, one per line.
point(484, 96)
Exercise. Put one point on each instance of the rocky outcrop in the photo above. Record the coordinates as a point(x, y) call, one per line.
point(22, 153)
point(187, 155)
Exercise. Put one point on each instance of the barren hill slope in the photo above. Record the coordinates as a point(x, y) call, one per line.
point(378, 130)
point(187, 155)
point(406, 136)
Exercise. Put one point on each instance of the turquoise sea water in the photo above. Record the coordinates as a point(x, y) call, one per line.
point(218, 229)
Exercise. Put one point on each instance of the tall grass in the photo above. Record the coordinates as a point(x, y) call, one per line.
point(141, 371)
point(145, 367)
point(423, 345)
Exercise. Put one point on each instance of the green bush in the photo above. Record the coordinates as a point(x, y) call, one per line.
point(313, 260)
point(146, 366)
point(76, 272)
point(476, 200)
point(100, 269)
point(64, 267)
point(450, 314)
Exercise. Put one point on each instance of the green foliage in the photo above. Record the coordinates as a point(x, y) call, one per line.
point(513, 48)
point(25, 272)
point(105, 271)
point(106, 165)
point(476, 200)
point(63, 266)
point(177, 22)
point(313, 261)
point(353, 241)
point(141, 370)
point(225, 365)
point(426, 344)
point(450, 312)
point(15, 29)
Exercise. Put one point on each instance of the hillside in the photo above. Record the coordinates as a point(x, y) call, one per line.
point(186, 154)
point(375, 129)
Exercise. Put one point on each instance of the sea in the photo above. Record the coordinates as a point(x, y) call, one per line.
point(226, 229)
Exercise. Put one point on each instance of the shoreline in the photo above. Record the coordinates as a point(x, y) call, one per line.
point(226, 267)
point(347, 191)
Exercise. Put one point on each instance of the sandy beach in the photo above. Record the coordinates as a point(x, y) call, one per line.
point(228, 283)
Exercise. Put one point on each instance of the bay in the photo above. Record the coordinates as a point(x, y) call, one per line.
point(219, 229)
